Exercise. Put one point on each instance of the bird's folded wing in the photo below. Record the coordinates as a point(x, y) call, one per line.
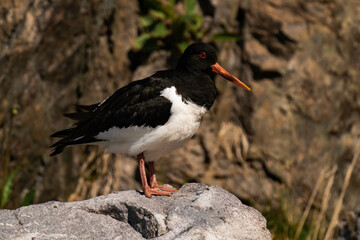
point(138, 104)
point(150, 113)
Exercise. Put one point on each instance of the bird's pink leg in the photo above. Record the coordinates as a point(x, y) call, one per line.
point(147, 190)
point(153, 182)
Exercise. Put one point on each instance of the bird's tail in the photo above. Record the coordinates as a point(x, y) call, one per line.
point(73, 136)
point(68, 140)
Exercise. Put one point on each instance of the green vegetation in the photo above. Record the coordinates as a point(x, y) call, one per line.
point(7, 180)
point(167, 24)
point(283, 220)
point(290, 221)
point(164, 24)
point(29, 198)
point(6, 189)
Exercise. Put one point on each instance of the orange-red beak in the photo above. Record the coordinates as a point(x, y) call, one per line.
point(216, 68)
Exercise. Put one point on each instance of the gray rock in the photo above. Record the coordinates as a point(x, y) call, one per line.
point(197, 211)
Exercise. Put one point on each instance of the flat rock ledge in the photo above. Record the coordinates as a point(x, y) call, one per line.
point(197, 211)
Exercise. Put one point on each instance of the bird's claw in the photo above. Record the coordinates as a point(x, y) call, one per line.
point(155, 191)
point(164, 188)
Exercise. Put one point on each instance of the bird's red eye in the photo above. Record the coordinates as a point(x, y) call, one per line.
point(202, 54)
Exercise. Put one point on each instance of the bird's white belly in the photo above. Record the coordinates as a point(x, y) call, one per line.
point(154, 142)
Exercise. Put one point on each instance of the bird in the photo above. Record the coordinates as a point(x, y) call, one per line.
point(151, 117)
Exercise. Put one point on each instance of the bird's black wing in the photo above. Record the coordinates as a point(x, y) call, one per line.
point(138, 104)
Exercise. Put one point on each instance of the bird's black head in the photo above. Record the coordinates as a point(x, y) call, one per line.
point(198, 56)
point(202, 57)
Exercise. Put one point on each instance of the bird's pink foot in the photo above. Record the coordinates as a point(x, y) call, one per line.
point(164, 188)
point(155, 191)
point(154, 183)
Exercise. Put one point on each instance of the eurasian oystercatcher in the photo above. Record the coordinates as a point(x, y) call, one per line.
point(151, 117)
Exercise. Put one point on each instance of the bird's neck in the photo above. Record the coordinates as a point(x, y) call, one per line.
point(196, 86)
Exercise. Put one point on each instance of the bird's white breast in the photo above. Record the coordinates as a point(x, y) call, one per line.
point(154, 142)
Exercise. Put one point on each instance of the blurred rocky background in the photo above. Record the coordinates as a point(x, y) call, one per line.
point(288, 147)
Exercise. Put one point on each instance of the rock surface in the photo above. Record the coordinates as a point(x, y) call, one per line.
point(197, 211)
